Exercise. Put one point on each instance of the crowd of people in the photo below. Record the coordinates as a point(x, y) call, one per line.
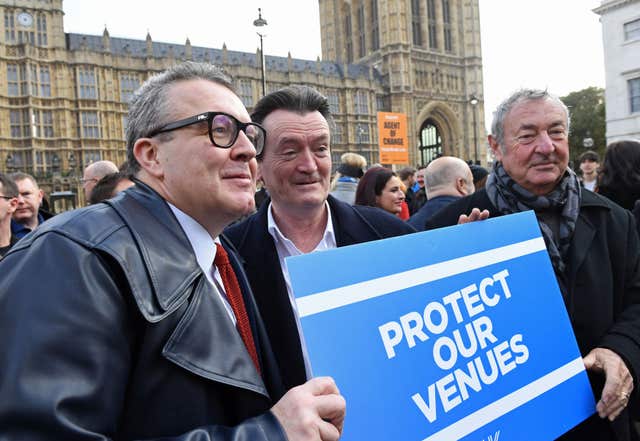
point(164, 309)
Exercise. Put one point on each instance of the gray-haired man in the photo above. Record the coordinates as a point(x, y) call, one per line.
point(592, 243)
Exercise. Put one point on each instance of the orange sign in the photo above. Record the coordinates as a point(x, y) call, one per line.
point(392, 138)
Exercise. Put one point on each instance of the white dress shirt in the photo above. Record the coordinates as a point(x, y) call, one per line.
point(286, 248)
point(204, 248)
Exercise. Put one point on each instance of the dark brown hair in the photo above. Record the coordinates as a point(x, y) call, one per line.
point(372, 184)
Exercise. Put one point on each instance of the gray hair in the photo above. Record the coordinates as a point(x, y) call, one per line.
point(21, 176)
point(149, 107)
point(501, 112)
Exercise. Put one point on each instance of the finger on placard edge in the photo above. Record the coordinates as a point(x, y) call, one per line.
point(322, 386)
point(610, 411)
point(331, 407)
point(328, 432)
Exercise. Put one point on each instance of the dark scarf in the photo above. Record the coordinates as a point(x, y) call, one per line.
point(509, 197)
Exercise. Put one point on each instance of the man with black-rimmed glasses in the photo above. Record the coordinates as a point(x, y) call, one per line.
point(141, 323)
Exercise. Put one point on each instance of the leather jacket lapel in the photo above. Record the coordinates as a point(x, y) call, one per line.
point(206, 343)
point(167, 257)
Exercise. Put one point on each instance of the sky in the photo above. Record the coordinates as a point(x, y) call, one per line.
point(552, 44)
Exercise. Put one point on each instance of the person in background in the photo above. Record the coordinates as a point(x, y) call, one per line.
point(8, 204)
point(301, 217)
point(29, 214)
point(380, 187)
point(262, 194)
point(109, 186)
point(93, 173)
point(589, 163)
point(408, 177)
point(420, 196)
point(479, 176)
point(140, 323)
point(447, 179)
point(404, 211)
point(592, 244)
point(619, 176)
point(345, 180)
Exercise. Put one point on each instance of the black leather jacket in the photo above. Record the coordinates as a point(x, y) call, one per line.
point(109, 330)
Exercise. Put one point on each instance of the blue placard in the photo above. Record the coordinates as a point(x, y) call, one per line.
point(457, 333)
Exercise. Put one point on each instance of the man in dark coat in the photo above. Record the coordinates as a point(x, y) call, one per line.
point(447, 179)
point(592, 244)
point(29, 213)
point(300, 218)
point(140, 323)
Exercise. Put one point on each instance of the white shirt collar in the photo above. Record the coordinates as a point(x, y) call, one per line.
point(328, 240)
point(204, 246)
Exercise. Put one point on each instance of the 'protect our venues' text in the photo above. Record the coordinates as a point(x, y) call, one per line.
point(472, 339)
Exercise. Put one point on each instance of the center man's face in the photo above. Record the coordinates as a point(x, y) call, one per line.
point(209, 183)
point(296, 163)
point(536, 144)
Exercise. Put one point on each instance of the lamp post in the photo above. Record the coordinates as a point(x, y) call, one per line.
point(258, 23)
point(10, 163)
point(587, 142)
point(473, 100)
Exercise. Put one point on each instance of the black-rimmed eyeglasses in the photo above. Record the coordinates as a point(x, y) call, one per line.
point(223, 129)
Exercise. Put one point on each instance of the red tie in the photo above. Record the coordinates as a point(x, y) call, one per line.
point(234, 295)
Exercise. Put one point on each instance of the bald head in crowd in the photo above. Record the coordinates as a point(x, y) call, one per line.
point(448, 176)
point(93, 173)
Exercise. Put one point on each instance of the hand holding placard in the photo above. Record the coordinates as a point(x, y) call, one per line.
point(618, 384)
point(313, 411)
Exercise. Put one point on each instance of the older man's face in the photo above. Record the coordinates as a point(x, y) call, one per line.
point(88, 183)
point(536, 145)
point(29, 200)
point(296, 163)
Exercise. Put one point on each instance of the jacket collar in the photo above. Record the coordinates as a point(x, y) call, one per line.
point(205, 341)
point(349, 225)
point(167, 257)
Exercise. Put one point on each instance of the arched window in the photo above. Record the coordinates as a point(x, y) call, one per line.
point(430, 142)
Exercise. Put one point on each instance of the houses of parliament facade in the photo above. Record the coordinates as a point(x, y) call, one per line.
point(63, 96)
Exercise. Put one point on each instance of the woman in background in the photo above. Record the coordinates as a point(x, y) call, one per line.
point(345, 181)
point(380, 187)
point(619, 176)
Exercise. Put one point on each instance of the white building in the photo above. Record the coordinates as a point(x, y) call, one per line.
point(621, 40)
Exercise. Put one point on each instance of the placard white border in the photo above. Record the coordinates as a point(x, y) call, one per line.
point(358, 292)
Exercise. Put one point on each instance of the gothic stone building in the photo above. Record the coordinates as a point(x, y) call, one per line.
point(63, 97)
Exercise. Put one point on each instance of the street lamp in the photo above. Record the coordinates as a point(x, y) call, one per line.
point(10, 163)
point(587, 142)
point(258, 23)
point(55, 163)
point(473, 100)
point(72, 164)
